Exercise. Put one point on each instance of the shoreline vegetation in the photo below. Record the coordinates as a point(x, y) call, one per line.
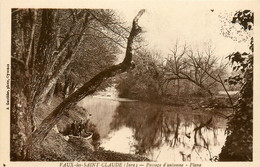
point(61, 56)
point(58, 147)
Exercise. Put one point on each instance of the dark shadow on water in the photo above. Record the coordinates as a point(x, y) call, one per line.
point(186, 135)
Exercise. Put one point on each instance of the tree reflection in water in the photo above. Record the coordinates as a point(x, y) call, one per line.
point(188, 135)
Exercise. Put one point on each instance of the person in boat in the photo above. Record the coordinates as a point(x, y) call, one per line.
point(74, 128)
point(80, 128)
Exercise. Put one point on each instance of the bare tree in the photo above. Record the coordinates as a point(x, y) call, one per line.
point(89, 87)
point(199, 68)
point(175, 65)
point(47, 58)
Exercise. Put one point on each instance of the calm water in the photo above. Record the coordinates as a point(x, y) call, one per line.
point(161, 133)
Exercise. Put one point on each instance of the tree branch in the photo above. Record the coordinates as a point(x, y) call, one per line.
point(30, 49)
point(18, 61)
point(88, 88)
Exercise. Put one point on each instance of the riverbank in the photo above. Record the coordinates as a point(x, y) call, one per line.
point(59, 147)
point(56, 147)
point(217, 101)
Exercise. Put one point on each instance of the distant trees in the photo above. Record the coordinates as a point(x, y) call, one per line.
point(182, 72)
point(201, 68)
point(146, 80)
point(54, 46)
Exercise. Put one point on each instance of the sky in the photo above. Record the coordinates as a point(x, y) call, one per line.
point(197, 27)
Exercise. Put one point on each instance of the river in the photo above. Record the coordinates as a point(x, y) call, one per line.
point(158, 132)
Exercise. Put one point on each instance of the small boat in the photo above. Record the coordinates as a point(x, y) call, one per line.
point(88, 135)
point(85, 136)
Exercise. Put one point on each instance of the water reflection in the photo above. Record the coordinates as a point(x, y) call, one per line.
point(102, 111)
point(161, 133)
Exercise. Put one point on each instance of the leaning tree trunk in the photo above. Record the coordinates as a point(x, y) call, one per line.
point(88, 88)
point(31, 70)
point(50, 95)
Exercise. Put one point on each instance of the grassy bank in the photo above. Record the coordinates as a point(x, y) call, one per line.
point(56, 147)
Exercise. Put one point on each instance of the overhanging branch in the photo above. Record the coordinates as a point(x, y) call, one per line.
point(88, 88)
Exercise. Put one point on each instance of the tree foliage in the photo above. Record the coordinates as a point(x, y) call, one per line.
point(182, 73)
point(53, 46)
point(239, 143)
point(146, 79)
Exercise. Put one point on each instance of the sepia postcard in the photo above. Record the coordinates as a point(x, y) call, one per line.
point(123, 83)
